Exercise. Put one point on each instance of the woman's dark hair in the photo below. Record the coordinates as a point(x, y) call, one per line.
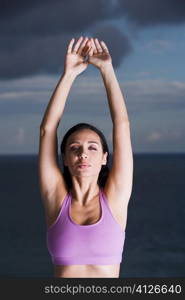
point(104, 172)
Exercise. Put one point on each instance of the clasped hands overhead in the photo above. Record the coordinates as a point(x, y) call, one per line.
point(86, 51)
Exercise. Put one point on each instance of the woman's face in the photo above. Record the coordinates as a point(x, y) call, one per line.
point(84, 148)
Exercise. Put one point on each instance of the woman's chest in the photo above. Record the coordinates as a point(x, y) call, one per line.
point(92, 213)
point(85, 215)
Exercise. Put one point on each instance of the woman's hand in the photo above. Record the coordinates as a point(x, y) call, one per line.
point(74, 60)
point(99, 55)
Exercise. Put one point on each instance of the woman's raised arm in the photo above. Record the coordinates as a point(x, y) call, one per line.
point(50, 176)
point(121, 173)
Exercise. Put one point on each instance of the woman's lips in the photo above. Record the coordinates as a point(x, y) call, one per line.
point(83, 166)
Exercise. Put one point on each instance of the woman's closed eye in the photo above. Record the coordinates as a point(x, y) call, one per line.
point(76, 148)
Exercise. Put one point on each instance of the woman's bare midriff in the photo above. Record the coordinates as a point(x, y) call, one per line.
point(86, 271)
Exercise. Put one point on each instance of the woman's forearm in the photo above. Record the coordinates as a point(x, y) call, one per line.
point(115, 98)
point(57, 102)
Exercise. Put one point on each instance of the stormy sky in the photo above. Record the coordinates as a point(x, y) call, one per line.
point(146, 39)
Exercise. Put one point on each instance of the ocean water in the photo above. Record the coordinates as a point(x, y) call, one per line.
point(155, 232)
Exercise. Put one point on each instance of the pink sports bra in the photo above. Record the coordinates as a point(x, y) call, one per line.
point(100, 243)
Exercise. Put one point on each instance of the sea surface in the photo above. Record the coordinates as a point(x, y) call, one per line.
point(155, 232)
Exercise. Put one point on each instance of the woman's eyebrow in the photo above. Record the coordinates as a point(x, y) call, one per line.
point(76, 142)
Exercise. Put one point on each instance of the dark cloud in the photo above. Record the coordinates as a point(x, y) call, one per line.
point(45, 17)
point(34, 37)
point(34, 55)
point(34, 34)
point(153, 12)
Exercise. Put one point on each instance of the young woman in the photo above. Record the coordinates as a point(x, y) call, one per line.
point(86, 206)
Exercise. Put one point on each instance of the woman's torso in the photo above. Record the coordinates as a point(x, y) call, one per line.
point(87, 216)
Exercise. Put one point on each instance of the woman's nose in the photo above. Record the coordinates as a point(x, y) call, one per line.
point(83, 155)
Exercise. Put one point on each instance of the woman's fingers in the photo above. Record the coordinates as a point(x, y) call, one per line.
point(76, 47)
point(98, 46)
point(91, 51)
point(93, 46)
point(104, 46)
point(84, 46)
point(69, 48)
point(87, 46)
